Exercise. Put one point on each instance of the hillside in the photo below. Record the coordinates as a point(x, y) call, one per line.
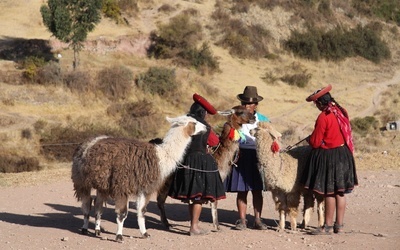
point(358, 84)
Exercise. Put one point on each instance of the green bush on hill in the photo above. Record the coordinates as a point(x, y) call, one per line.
point(338, 44)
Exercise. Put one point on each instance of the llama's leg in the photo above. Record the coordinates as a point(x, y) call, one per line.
point(214, 214)
point(86, 206)
point(121, 209)
point(280, 206)
point(282, 219)
point(293, 201)
point(141, 203)
point(308, 208)
point(98, 211)
point(321, 210)
point(161, 198)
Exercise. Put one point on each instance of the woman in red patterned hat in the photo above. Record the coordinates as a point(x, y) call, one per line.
point(198, 181)
point(331, 164)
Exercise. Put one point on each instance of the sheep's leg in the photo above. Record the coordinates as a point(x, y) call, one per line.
point(121, 209)
point(214, 214)
point(141, 203)
point(86, 206)
point(308, 208)
point(98, 211)
point(321, 210)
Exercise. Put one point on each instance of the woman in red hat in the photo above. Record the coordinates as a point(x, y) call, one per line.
point(331, 163)
point(198, 180)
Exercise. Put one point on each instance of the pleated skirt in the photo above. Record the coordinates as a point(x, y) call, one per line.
point(330, 171)
point(199, 180)
point(245, 176)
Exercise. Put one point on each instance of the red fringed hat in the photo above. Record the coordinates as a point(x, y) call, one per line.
point(204, 103)
point(317, 94)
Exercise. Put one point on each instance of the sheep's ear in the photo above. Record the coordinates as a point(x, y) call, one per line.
point(226, 112)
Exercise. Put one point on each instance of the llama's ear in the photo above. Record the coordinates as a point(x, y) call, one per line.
point(226, 112)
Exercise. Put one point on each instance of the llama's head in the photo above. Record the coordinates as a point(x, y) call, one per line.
point(266, 135)
point(190, 125)
point(238, 115)
point(266, 126)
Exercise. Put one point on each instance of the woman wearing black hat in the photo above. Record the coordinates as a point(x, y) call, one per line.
point(331, 164)
point(198, 180)
point(245, 176)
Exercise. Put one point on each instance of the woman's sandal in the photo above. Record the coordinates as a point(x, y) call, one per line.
point(259, 225)
point(325, 230)
point(338, 229)
point(241, 224)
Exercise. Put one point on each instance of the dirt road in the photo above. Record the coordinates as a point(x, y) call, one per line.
point(46, 216)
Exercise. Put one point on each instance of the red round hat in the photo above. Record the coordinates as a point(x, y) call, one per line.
point(204, 103)
point(317, 94)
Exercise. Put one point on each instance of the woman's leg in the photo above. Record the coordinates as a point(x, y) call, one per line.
point(241, 202)
point(194, 212)
point(257, 204)
point(330, 206)
point(340, 208)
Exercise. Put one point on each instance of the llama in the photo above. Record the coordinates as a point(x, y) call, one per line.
point(121, 168)
point(282, 172)
point(223, 154)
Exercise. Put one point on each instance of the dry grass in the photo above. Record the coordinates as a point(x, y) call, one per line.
point(355, 81)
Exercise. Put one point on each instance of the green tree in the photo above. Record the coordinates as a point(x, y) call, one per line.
point(71, 20)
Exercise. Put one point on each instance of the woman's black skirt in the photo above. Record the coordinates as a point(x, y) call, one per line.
point(200, 181)
point(330, 171)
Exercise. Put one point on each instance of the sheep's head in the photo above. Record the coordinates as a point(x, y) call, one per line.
point(238, 115)
point(191, 125)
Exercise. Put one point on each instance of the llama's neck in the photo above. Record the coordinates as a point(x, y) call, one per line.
point(271, 163)
point(225, 152)
point(172, 150)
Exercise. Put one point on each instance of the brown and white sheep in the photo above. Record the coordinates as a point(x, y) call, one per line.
point(121, 168)
point(282, 173)
point(223, 155)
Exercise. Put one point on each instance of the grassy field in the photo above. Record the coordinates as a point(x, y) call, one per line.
point(362, 87)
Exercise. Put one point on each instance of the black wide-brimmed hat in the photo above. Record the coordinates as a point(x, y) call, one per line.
point(317, 94)
point(250, 95)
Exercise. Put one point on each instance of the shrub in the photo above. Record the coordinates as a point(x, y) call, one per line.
point(31, 66)
point(137, 118)
point(49, 74)
point(179, 34)
point(363, 126)
point(115, 82)
point(129, 6)
point(300, 80)
point(158, 80)
point(201, 59)
point(78, 81)
point(16, 164)
point(59, 142)
point(111, 9)
point(338, 44)
point(244, 41)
